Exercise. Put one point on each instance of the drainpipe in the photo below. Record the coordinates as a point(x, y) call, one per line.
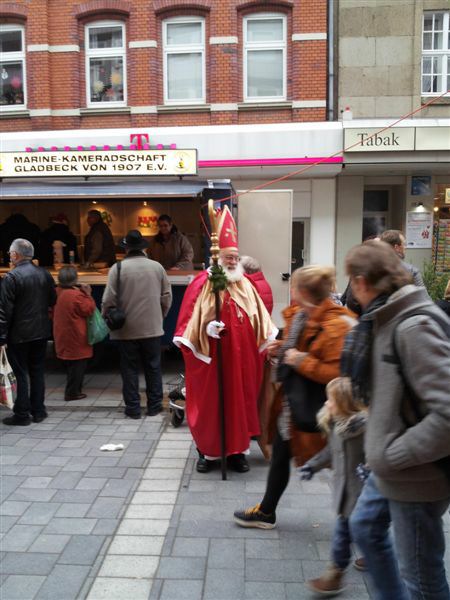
point(331, 86)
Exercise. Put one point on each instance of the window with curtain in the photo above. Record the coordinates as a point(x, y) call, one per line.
point(105, 63)
point(264, 57)
point(12, 67)
point(184, 60)
point(435, 53)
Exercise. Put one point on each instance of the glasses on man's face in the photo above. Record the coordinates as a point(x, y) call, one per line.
point(232, 258)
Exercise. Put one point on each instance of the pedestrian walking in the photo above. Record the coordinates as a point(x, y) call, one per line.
point(313, 338)
point(27, 294)
point(343, 420)
point(145, 298)
point(73, 306)
point(408, 431)
point(396, 239)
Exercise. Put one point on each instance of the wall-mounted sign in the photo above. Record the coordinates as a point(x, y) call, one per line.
point(447, 195)
point(395, 139)
point(103, 162)
point(433, 138)
point(421, 185)
point(419, 229)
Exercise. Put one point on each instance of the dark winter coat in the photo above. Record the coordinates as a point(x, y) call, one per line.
point(99, 245)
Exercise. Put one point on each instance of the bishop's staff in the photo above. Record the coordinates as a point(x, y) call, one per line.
point(218, 284)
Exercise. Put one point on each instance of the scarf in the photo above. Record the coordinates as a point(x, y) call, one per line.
point(356, 355)
point(291, 341)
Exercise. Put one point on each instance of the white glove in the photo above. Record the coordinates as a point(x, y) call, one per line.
point(214, 328)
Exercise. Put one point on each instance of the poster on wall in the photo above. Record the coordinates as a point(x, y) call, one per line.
point(419, 229)
point(421, 185)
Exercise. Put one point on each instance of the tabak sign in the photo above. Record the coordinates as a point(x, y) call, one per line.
point(89, 163)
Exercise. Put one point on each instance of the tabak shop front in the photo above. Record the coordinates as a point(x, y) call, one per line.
point(132, 177)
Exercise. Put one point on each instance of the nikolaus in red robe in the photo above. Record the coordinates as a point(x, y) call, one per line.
point(248, 329)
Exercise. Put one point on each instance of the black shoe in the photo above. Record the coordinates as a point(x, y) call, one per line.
point(76, 397)
point(152, 412)
point(238, 463)
point(202, 465)
point(253, 517)
point(14, 420)
point(40, 418)
point(134, 416)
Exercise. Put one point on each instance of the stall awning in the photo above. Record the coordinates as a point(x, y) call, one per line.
point(79, 190)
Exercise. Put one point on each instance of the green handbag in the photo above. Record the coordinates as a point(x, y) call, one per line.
point(97, 329)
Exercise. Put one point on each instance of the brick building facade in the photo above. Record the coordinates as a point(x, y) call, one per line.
point(225, 46)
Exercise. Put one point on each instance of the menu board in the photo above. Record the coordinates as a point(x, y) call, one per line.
point(442, 245)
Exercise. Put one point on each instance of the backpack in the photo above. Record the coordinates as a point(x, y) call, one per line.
point(412, 403)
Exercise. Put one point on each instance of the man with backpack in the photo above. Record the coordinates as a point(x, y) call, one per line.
point(408, 432)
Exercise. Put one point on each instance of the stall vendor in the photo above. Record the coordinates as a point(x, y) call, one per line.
point(99, 243)
point(170, 247)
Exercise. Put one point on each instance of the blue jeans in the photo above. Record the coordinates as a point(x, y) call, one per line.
point(147, 351)
point(28, 363)
point(420, 543)
point(369, 527)
point(340, 546)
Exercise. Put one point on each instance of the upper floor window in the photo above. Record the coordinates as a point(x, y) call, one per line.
point(105, 63)
point(264, 57)
point(184, 60)
point(436, 53)
point(12, 66)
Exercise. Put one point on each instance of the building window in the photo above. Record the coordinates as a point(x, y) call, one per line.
point(264, 57)
point(436, 53)
point(12, 67)
point(105, 64)
point(375, 213)
point(184, 60)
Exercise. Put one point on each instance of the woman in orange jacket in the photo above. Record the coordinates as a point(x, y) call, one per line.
point(312, 344)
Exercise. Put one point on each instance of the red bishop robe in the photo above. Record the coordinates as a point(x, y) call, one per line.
point(248, 328)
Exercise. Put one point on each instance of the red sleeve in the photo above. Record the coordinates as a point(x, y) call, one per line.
point(189, 300)
point(85, 305)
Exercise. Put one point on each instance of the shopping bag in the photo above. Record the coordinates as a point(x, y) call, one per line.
point(97, 329)
point(8, 383)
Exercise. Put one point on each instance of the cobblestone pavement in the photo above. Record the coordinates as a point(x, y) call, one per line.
point(141, 523)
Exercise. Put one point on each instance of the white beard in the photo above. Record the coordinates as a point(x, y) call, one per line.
point(236, 275)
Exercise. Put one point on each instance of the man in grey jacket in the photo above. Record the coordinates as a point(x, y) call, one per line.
point(397, 240)
point(408, 432)
point(145, 297)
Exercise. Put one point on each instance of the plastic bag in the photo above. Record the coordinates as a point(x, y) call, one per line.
point(8, 383)
point(97, 329)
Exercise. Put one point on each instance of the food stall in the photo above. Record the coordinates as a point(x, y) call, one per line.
point(42, 184)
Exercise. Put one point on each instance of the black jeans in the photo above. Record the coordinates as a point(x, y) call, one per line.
point(75, 374)
point(148, 351)
point(278, 478)
point(28, 363)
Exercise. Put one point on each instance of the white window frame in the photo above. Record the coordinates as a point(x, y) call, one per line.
point(184, 49)
point(14, 57)
point(444, 53)
point(277, 45)
point(105, 53)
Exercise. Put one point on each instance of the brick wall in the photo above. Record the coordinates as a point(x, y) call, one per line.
point(56, 77)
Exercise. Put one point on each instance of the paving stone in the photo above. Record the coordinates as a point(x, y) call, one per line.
point(226, 554)
point(149, 511)
point(105, 527)
point(255, 590)
point(65, 480)
point(36, 482)
point(40, 471)
point(6, 522)
point(106, 508)
point(154, 498)
point(114, 588)
point(20, 537)
point(17, 563)
point(190, 547)
point(109, 472)
point(91, 483)
point(159, 485)
point(32, 495)
point(72, 496)
point(73, 510)
point(21, 587)
point(77, 463)
point(141, 567)
point(138, 527)
point(182, 590)
point(82, 550)
point(12, 508)
point(132, 460)
point(49, 543)
point(70, 526)
point(219, 585)
point(273, 570)
point(117, 488)
point(64, 582)
point(9, 484)
point(39, 513)
point(134, 474)
point(156, 473)
point(181, 568)
point(166, 463)
point(146, 545)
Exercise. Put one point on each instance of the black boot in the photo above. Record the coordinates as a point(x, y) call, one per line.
point(202, 465)
point(238, 463)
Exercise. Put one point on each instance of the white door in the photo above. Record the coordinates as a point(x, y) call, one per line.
point(265, 232)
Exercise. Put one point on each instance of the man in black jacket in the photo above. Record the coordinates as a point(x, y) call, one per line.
point(99, 243)
point(26, 295)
